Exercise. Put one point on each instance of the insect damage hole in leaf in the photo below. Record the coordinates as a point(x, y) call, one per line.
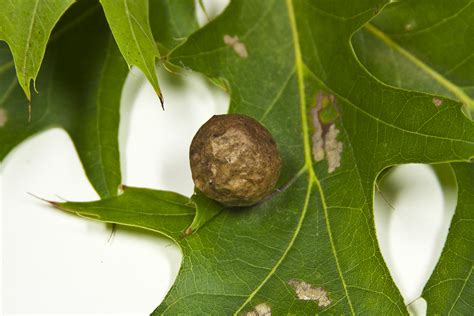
point(208, 10)
point(412, 234)
point(325, 143)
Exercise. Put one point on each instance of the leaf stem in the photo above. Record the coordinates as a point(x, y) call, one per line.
point(300, 67)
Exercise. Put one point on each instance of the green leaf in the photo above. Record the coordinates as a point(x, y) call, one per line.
point(26, 26)
point(422, 45)
point(164, 212)
point(81, 90)
point(311, 247)
point(206, 210)
point(129, 22)
point(172, 21)
point(378, 127)
point(429, 50)
point(451, 286)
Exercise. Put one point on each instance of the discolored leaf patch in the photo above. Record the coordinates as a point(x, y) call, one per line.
point(307, 292)
point(261, 309)
point(325, 142)
point(239, 48)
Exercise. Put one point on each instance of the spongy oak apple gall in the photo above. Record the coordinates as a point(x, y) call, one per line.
point(234, 160)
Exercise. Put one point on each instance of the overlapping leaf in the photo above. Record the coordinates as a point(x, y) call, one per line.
point(80, 86)
point(172, 21)
point(206, 210)
point(128, 20)
point(26, 26)
point(424, 45)
point(164, 212)
point(311, 248)
point(383, 127)
point(80, 92)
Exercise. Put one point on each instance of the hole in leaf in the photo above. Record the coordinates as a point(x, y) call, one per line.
point(212, 9)
point(418, 307)
point(413, 211)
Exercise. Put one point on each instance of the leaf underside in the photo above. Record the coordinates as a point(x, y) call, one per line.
point(80, 92)
point(26, 27)
point(129, 22)
point(80, 85)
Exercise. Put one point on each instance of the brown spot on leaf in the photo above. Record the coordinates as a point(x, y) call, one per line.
point(333, 148)
point(437, 102)
point(318, 142)
point(262, 309)
point(3, 117)
point(188, 231)
point(307, 292)
point(325, 143)
point(239, 48)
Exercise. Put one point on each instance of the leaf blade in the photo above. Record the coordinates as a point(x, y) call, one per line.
point(172, 21)
point(317, 230)
point(129, 20)
point(86, 105)
point(352, 112)
point(19, 21)
point(395, 32)
point(75, 102)
point(451, 284)
point(206, 210)
point(404, 31)
point(166, 213)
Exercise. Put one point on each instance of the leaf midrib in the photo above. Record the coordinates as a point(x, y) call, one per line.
point(124, 210)
point(285, 253)
point(312, 178)
point(147, 66)
point(27, 48)
point(307, 142)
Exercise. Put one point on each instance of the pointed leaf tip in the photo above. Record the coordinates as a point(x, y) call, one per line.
point(162, 101)
point(53, 203)
point(21, 22)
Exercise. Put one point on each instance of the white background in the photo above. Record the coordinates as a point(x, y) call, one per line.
point(53, 262)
